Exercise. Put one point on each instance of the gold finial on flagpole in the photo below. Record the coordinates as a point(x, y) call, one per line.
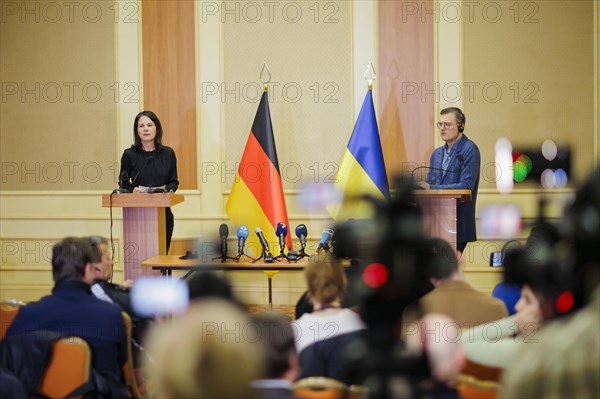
point(370, 78)
point(267, 79)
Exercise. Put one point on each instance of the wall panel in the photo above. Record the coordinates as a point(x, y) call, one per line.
point(59, 96)
point(529, 69)
point(406, 76)
point(169, 69)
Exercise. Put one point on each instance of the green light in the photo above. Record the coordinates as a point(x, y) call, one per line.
point(519, 170)
point(527, 161)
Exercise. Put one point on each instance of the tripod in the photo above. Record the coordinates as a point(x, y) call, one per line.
point(266, 255)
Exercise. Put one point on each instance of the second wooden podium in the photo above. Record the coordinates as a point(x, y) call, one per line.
point(144, 230)
point(438, 208)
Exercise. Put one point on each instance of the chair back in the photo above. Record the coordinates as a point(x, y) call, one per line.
point(482, 372)
point(358, 392)
point(129, 370)
point(69, 369)
point(320, 388)
point(478, 381)
point(8, 312)
point(477, 389)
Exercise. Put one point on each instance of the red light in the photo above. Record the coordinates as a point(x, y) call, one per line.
point(375, 275)
point(565, 302)
point(516, 155)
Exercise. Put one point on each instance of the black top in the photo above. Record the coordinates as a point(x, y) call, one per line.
point(149, 168)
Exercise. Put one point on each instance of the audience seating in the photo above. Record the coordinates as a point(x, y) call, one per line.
point(481, 371)
point(358, 392)
point(137, 390)
point(478, 381)
point(69, 371)
point(471, 388)
point(8, 312)
point(320, 388)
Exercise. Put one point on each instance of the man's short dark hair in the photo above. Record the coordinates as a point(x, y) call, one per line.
point(458, 114)
point(278, 341)
point(95, 242)
point(443, 262)
point(69, 258)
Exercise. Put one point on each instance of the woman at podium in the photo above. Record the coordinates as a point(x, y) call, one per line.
point(148, 165)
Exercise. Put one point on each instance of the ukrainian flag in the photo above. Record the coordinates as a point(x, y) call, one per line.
point(362, 170)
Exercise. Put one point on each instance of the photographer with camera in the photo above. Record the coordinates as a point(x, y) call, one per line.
point(565, 362)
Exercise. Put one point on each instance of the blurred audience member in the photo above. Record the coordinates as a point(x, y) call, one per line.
point(209, 352)
point(281, 360)
point(323, 335)
point(436, 334)
point(119, 295)
point(72, 310)
point(203, 284)
point(509, 294)
point(495, 343)
point(565, 361)
point(452, 295)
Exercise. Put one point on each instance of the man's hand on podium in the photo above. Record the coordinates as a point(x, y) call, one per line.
point(423, 184)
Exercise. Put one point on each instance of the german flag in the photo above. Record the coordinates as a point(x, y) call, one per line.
point(256, 198)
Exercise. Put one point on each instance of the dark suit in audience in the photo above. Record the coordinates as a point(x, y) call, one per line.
point(72, 310)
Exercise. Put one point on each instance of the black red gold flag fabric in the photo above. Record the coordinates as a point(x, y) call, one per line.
point(256, 198)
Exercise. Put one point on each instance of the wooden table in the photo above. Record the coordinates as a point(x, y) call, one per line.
point(167, 263)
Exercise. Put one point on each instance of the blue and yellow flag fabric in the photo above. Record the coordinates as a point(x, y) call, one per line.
point(362, 169)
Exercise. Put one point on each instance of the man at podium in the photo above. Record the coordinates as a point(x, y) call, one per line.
point(455, 165)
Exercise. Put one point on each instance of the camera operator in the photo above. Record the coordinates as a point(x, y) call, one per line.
point(566, 360)
point(393, 274)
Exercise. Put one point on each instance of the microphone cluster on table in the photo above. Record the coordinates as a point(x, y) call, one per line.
point(281, 231)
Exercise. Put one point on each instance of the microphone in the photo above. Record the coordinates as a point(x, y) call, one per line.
point(281, 232)
point(242, 234)
point(121, 190)
point(263, 241)
point(148, 162)
point(301, 233)
point(223, 233)
point(461, 160)
point(325, 239)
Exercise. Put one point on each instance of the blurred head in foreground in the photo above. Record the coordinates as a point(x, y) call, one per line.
point(206, 353)
point(437, 334)
point(326, 280)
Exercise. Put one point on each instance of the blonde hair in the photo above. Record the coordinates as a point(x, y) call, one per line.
point(325, 278)
point(204, 353)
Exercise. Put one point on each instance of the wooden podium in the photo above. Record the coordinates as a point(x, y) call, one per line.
point(144, 230)
point(439, 211)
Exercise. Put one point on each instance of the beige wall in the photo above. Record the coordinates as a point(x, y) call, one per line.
point(559, 54)
point(532, 74)
point(59, 96)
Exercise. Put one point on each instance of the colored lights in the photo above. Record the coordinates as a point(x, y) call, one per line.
point(521, 167)
point(375, 275)
point(548, 165)
point(565, 302)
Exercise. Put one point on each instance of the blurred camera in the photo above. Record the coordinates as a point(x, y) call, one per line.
point(159, 296)
point(497, 259)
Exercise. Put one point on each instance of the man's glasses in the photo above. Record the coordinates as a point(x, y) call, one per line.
point(445, 125)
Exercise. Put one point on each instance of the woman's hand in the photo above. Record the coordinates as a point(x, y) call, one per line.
point(136, 190)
